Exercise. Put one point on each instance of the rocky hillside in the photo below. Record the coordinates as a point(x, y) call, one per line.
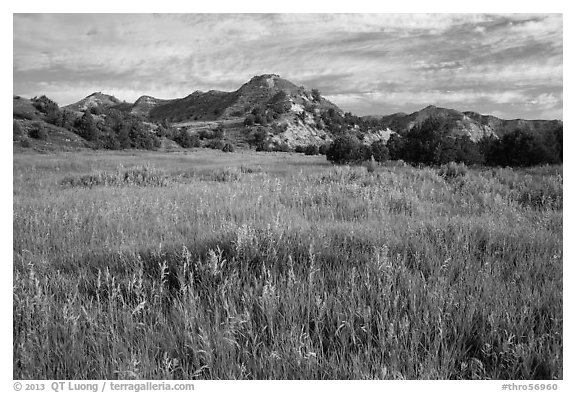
point(471, 124)
point(271, 112)
point(97, 99)
point(145, 104)
point(502, 127)
point(263, 91)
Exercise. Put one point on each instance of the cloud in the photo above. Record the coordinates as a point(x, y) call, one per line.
point(354, 58)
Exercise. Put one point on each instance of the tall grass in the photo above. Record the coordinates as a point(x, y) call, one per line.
point(285, 268)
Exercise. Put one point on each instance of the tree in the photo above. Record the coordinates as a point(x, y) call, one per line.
point(44, 104)
point(260, 136)
point(219, 132)
point(187, 140)
point(17, 131)
point(124, 136)
point(228, 147)
point(311, 150)
point(249, 120)
point(379, 151)
point(395, 147)
point(344, 149)
point(87, 127)
point(316, 95)
point(38, 132)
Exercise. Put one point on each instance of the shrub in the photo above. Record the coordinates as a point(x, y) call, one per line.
point(453, 170)
point(218, 132)
point(139, 176)
point(17, 131)
point(87, 127)
point(109, 141)
point(249, 120)
point(343, 150)
point(316, 95)
point(260, 136)
point(371, 165)
point(204, 134)
point(25, 143)
point(187, 140)
point(44, 104)
point(311, 150)
point(38, 132)
point(228, 147)
point(323, 149)
point(379, 151)
point(217, 144)
point(282, 147)
point(300, 149)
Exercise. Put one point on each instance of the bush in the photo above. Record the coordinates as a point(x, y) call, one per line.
point(38, 132)
point(44, 104)
point(109, 141)
point(379, 151)
point(311, 150)
point(228, 148)
point(344, 149)
point(260, 136)
point(217, 144)
point(218, 132)
point(17, 131)
point(25, 143)
point(249, 120)
point(453, 170)
point(282, 147)
point(323, 149)
point(187, 140)
point(371, 165)
point(300, 149)
point(316, 95)
point(204, 134)
point(87, 128)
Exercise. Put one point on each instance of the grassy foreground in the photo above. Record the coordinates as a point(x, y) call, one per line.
point(255, 266)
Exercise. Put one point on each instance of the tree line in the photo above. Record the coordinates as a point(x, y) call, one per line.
point(431, 143)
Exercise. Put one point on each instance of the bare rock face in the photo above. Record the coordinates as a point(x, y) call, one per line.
point(379, 135)
point(301, 133)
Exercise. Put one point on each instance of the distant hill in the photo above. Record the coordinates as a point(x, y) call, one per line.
point(261, 91)
point(471, 124)
point(144, 105)
point(502, 127)
point(271, 112)
point(97, 99)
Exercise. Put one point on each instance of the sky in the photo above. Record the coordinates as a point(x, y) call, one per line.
point(507, 65)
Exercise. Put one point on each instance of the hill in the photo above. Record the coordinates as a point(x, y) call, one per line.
point(263, 91)
point(98, 100)
point(267, 112)
point(470, 124)
point(144, 105)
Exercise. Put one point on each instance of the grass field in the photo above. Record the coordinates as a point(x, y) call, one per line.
point(143, 265)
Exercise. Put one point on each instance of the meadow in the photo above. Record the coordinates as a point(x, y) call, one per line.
point(211, 265)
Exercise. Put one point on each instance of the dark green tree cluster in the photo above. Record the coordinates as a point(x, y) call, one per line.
point(349, 149)
point(118, 130)
point(186, 139)
point(430, 143)
point(521, 148)
point(44, 104)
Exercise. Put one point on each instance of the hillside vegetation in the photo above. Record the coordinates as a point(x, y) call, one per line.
point(269, 113)
point(206, 265)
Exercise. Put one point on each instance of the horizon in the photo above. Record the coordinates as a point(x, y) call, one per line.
point(508, 66)
point(368, 115)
